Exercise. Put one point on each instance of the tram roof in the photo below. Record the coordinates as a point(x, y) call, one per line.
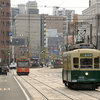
point(82, 51)
point(81, 46)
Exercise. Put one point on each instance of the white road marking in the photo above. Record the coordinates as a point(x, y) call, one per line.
point(8, 89)
point(27, 97)
point(5, 89)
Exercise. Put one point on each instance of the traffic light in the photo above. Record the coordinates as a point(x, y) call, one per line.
point(9, 53)
point(68, 45)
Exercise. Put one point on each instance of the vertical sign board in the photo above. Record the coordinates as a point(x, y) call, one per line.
point(0, 59)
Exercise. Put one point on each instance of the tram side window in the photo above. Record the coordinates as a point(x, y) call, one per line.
point(76, 62)
point(96, 62)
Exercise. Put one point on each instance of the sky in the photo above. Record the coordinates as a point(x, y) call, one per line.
point(45, 6)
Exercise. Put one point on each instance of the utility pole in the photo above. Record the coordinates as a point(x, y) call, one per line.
point(74, 31)
point(29, 36)
point(97, 24)
point(90, 33)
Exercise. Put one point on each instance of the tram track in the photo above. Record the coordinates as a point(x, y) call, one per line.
point(28, 78)
point(52, 81)
point(79, 91)
point(63, 93)
point(47, 86)
point(90, 94)
point(35, 89)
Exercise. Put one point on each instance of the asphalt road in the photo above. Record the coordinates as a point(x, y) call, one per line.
point(9, 88)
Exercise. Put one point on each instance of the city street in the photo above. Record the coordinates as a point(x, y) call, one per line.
point(46, 84)
point(50, 50)
point(10, 90)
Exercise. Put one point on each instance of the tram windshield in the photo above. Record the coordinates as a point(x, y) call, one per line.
point(23, 63)
point(86, 63)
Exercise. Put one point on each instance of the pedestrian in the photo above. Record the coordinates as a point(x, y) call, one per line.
point(41, 64)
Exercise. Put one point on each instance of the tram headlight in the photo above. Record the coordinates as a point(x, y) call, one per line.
point(86, 73)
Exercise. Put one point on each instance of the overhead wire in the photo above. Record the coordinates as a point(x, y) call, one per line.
point(45, 6)
point(62, 3)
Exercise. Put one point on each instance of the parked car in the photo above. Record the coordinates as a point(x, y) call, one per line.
point(4, 69)
point(13, 65)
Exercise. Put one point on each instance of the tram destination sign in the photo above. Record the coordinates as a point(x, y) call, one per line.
point(86, 55)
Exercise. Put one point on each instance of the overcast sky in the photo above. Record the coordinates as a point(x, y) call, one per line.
point(77, 5)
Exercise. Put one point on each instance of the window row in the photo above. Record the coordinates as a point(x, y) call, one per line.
point(7, 42)
point(7, 33)
point(5, 23)
point(5, 4)
point(86, 63)
point(6, 14)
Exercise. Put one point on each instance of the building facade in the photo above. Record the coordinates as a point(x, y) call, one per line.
point(29, 26)
point(64, 12)
point(54, 36)
point(21, 8)
point(4, 30)
point(14, 12)
point(31, 7)
point(91, 16)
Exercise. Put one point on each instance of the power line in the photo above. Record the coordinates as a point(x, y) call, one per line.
point(62, 2)
point(44, 6)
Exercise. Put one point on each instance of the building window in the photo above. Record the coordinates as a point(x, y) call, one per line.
point(7, 42)
point(8, 4)
point(2, 32)
point(7, 33)
point(2, 13)
point(8, 14)
point(2, 22)
point(7, 23)
point(2, 42)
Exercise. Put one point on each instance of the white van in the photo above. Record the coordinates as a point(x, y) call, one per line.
point(13, 65)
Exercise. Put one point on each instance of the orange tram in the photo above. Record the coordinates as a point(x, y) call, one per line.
point(23, 66)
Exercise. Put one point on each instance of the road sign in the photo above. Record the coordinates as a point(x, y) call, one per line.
point(10, 34)
point(56, 52)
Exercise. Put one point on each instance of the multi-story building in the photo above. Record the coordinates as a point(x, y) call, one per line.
point(19, 47)
point(29, 26)
point(14, 12)
point(56, 22)
point(93, 2)
point(64, 12)
point(21, 8)
point(55, 33)
point(91, 16)
point(31, 7)
point(4, 30)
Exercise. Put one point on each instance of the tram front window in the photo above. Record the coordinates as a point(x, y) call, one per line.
point(86, 63)
point(76, 62)
point(23, 64)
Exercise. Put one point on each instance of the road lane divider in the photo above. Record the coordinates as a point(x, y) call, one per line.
point(8, 89)
point(27, 97)
point(5, 89)
point(1, 81)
